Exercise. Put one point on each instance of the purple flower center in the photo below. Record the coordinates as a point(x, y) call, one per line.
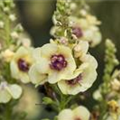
point(75, 80)
point(58, 62)
point(77, 31)
point(23, 65)
point(77, 118)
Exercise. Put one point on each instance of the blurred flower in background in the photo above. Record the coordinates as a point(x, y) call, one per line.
point(28, 102)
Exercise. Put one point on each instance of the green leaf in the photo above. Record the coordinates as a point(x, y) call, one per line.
point(47, 100)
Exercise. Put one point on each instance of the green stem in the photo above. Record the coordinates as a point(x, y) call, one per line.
point(7, 31)
point(7, 112)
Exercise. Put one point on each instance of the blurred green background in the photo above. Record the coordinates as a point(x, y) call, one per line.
point(36, 18)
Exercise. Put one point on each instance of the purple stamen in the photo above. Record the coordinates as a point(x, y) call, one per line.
point(75, 80)
point(77, 31)
point(23, 65)
point(77, 118)
point(58, 62)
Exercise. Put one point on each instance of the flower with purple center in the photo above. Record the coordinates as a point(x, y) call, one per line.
point(77, 31)
point(21, 63)
point(79, 113)
point(82, 78)
point(86, 28)
point(54, 62)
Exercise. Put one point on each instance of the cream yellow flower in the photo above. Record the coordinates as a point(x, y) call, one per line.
point(86, 29)
point(24, 40)
point(14, 35)
point(12, 17)
point(97, 95)
point(82, 78)
point(114, 110)
point(9, 91)
point(27, 103)
point(21, 63)
point(7, 55)
point(79, 113)
point(115, 84)
point(54, 62)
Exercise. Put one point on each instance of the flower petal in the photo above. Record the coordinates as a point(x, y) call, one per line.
point(82, 113)
point(55, 77)
point(15, 91)
point(22, 51)
point(36, 54)
point(66, 114)
point(89, 76)
point(89, 59)
point(4, 96)
point(14, 69)
point(37, 76)
point(24, 77)
point(48, 49)
point(81, 48)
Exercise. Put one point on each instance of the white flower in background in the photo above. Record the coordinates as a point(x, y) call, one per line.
point(6, 9)
point(97, 95)
point(86, 29)
point(2, 24)
point(82, 78)
point(73, 6)
point(24, 40)
point(28, 102)
point(12, 17)
point(21, 63)
point(83, 12)
point(14, 35)
point(7, 55)
point(54, 62)
point(19, 27)
point(9, 91)
point(79, 113)
point(115, 84)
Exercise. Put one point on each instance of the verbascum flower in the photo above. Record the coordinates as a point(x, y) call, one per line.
point(86, 29)
point(12, 17)
point(97, 95)
point(7, 55)
point(114, 110)
point(54, 62)
point(21, 63)
point(9, 91)
point(79, 113)
point(115, 84)
point(14, 35)
point(24, 40)
point(82, 78)
point(27, 104)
